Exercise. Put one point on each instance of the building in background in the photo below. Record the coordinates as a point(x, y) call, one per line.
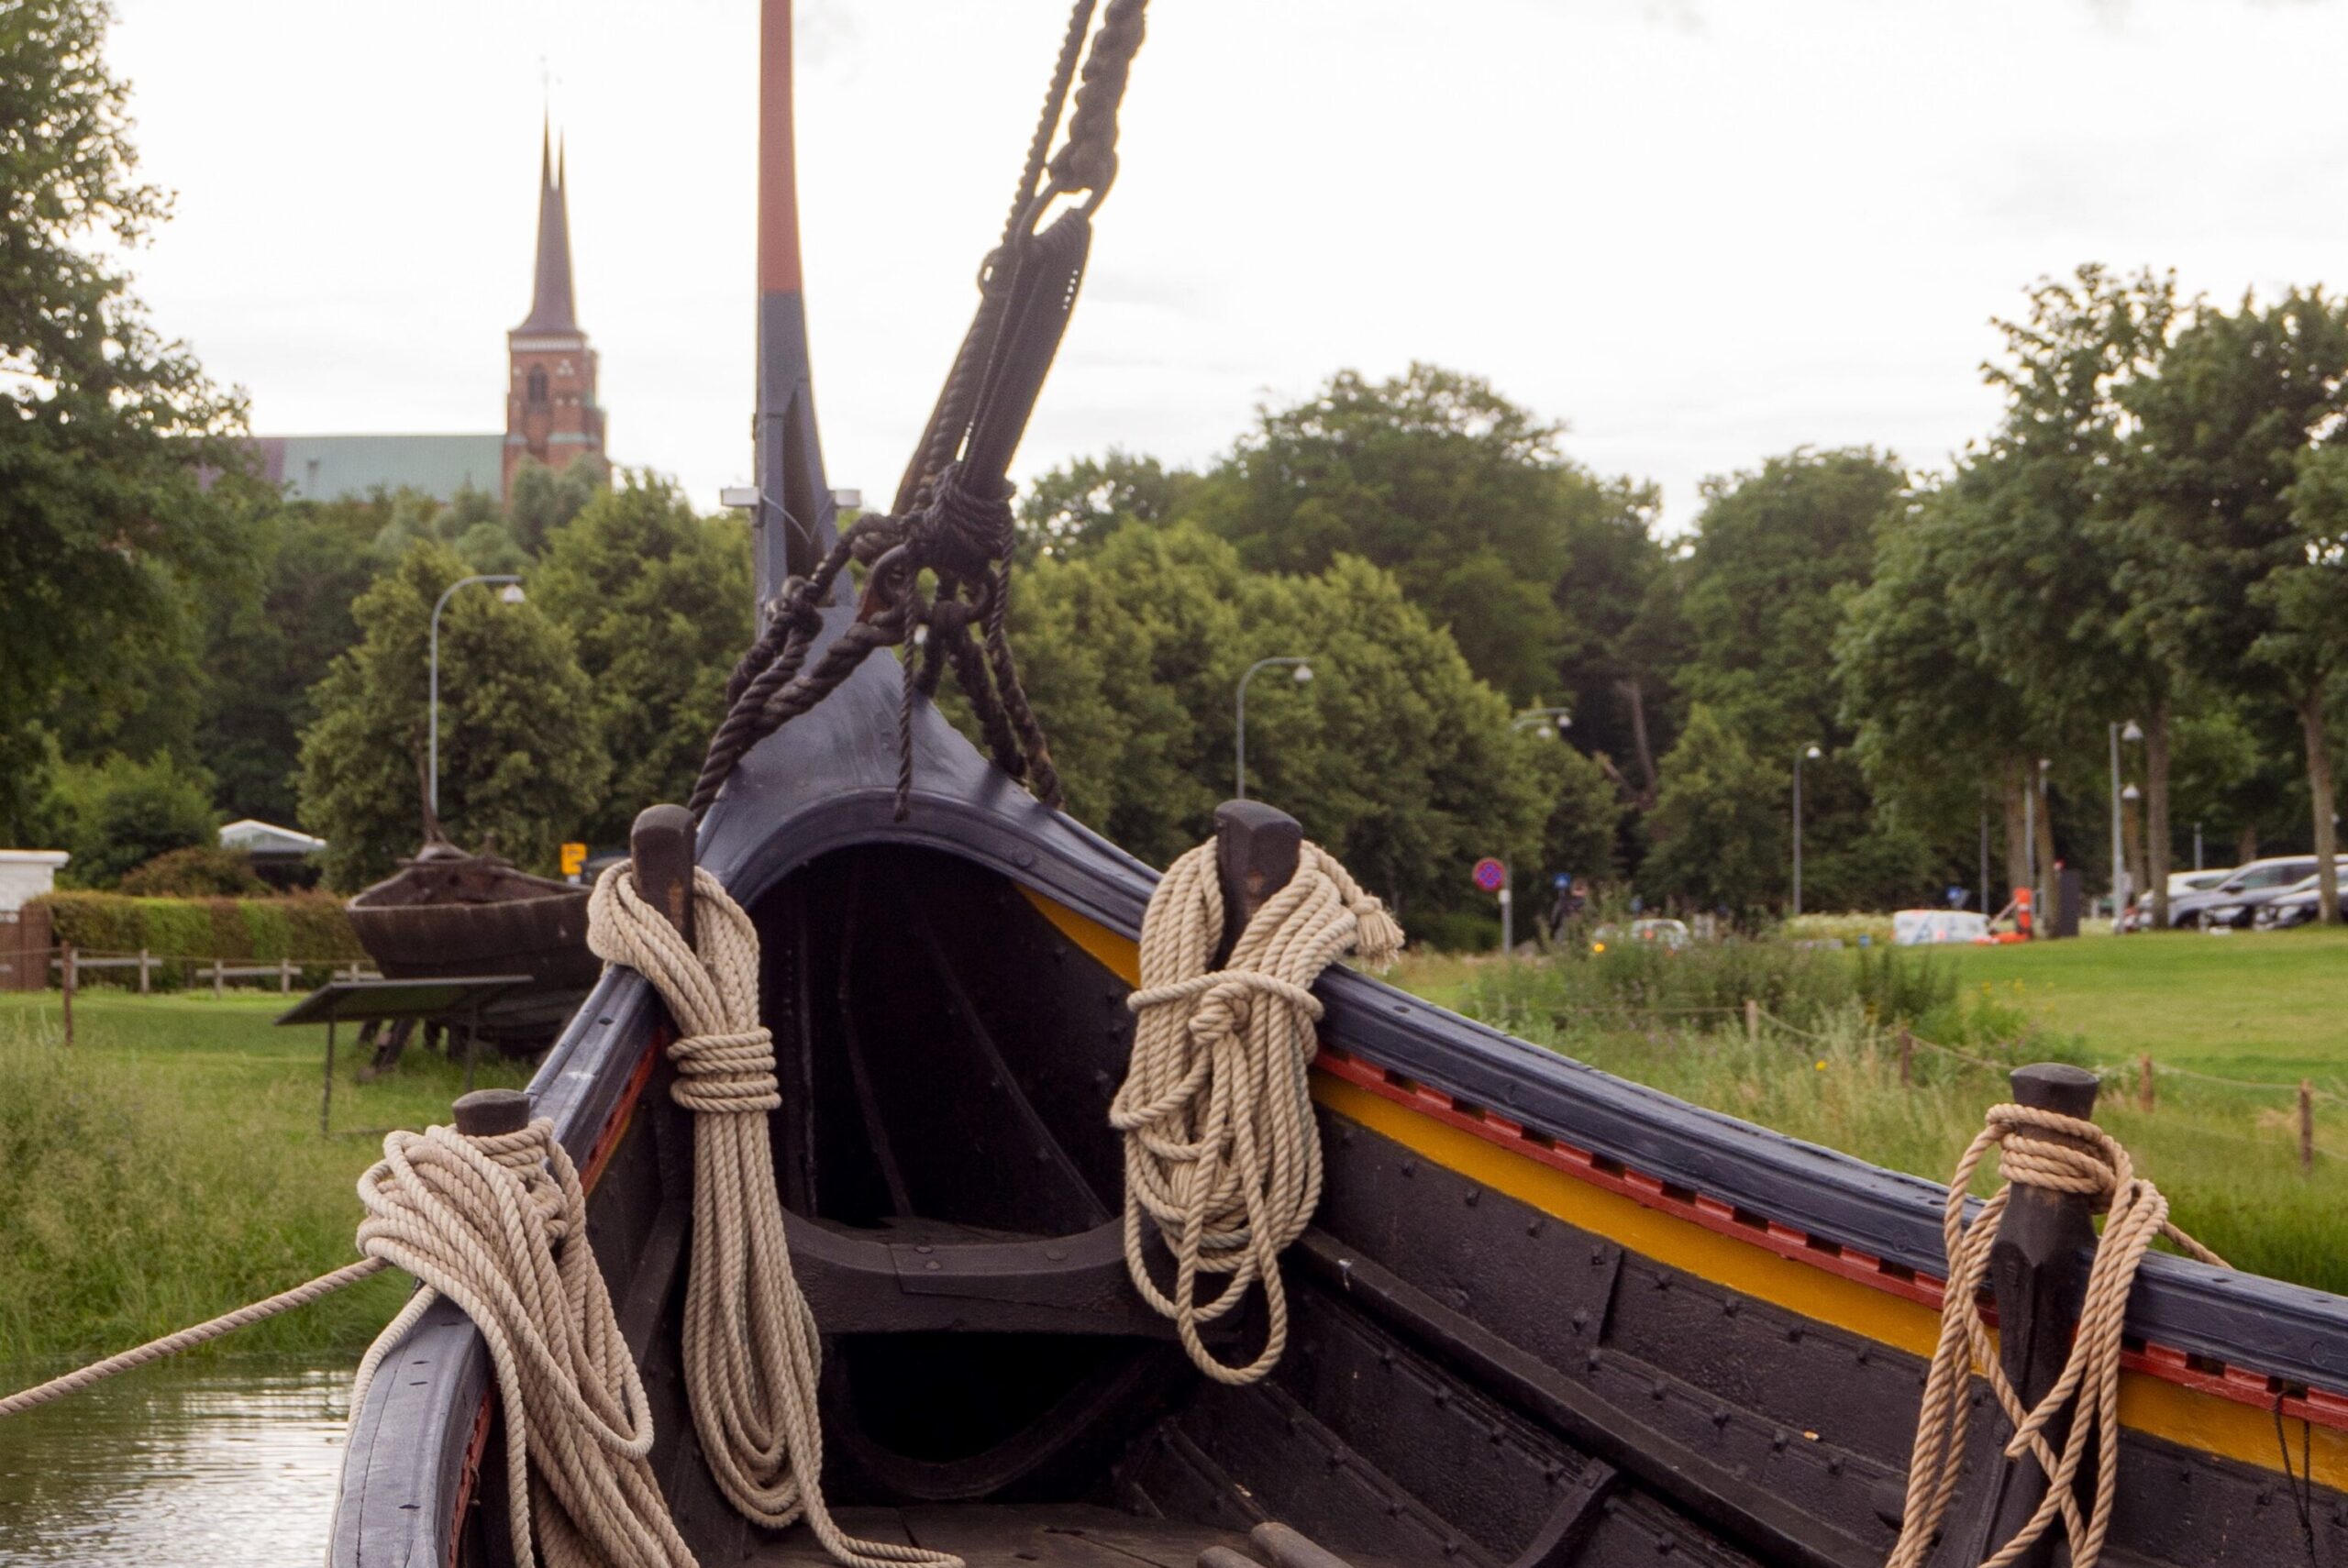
point(551, 413)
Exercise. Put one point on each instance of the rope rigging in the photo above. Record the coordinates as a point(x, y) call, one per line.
point(952, 516)
point(1222, 1154)
point(2094, 1164)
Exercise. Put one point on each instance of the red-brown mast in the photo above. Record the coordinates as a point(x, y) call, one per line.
point(793, 524)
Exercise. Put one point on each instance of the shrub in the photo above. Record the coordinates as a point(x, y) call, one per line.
point(119, 814)
point(197, 871)
point(1846, 929)
point(309, 928)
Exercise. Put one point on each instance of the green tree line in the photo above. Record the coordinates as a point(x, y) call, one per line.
point(2155, 530)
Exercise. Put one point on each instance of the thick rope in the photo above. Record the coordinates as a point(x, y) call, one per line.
point(188, 1338)
point(1221, 1151)
point(498, 1225)
point(753, 1355)
point(2137, 1212)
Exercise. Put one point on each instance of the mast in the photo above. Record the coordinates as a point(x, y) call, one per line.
point(792, 523)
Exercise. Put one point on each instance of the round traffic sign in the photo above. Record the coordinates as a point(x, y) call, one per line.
point(1490, 875)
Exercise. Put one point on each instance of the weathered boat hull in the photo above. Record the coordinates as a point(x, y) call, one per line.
point(465, 915)
point(1544, 1317)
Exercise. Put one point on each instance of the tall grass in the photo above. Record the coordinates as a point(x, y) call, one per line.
point(1826, 1068)
point(168, 1167)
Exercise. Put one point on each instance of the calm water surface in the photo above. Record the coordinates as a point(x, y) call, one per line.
point(206, 1464)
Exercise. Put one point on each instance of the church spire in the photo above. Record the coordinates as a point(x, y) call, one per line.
point(550, 304)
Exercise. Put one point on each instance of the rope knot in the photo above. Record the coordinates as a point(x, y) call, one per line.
point(2047, 1149)
point(726, 1073)
point(966, 527)
point(1221, 1152)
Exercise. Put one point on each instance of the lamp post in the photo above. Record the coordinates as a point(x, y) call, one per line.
point(1303, 674)
point(513, 595)
point(2132, 733)
point(1552, 722)
point(1812, 753)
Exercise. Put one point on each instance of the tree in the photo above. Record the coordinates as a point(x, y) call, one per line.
point(1939, 724)
point(1775, 552)
point(1394, 756)
point(1071, 510)
point(122, 812)
point(520, 758)
point(657, 603)
point(1720, 822)
point(107, 432)
point(2045, 558)
point(2304, 640)
point(2220, 527)
point(541, 500)
point(1435, 476)
point(267, 640)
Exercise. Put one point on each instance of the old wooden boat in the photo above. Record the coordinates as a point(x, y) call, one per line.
point(447, 912)
point(1544, 1317)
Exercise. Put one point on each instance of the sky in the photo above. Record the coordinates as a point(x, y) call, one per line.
point(1697, 232)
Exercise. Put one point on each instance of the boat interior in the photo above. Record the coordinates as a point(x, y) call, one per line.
point(1485, 1368)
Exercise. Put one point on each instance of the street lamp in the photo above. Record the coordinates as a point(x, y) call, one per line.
point(1540, 720)
point(2132, 733)
point(1810, 753)
point(511, 594)
point(1302, 676)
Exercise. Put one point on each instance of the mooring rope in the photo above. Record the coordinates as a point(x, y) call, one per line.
point(1221, 1151)
point(2089, 1382)
point(497, 1224)
point(753, 1357)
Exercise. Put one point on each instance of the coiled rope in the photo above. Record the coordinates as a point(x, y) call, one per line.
point(1221, 1151)
point(2102, 1173)
point(497, 1224)
point(752, 1354)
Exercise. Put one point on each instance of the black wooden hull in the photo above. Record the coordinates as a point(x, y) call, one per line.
point(1545, 1318)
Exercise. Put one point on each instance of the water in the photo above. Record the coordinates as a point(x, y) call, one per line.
point(198, 1464)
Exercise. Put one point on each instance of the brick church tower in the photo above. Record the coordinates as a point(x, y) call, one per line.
point(550, 409)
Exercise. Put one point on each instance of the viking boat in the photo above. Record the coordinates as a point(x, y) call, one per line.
point(1542, 1317)
point(447, 912)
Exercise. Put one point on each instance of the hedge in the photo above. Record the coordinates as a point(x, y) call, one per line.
point(308, 928)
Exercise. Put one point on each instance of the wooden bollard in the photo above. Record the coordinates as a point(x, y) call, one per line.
point(1752, 1021)
point(485, 1113)
point(219, 979)
point(285, 976)
point(2038, 1274)
point(146, 962)
point(1907, 1056)
point(2306, 1128)
point(2145, 1082)
point(65, 988)
point(1255, 851)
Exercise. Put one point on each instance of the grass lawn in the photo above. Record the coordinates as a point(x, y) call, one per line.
point(168, 1166)
point(2267, 1008)
point(2271, 1006)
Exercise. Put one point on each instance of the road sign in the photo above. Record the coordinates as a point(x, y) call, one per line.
point(574, 859)
point(1491, 875)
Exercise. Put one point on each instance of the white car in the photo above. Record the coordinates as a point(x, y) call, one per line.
point(1929, 928)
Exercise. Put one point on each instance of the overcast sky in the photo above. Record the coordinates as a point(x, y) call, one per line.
point(1700, 233)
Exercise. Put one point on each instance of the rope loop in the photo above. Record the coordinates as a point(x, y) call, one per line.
point(1221, 1155)
point(753, 1355)
point(2047, 1149)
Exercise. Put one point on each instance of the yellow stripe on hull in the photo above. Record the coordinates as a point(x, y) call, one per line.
point(2150, 1405)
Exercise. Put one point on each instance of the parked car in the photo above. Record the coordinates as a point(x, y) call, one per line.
point(2273, 874)
point(2240, 908)
point(1926, 928)
point(2183, 882)
point(2297, 905)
